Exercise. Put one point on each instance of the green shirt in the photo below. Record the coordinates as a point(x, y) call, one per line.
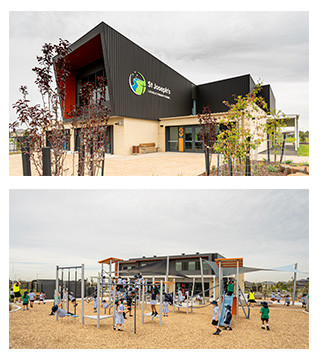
point(230, 286)
point(264, 313)
point(25, 299)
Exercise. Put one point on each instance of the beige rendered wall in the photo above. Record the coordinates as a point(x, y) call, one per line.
point(133, 132)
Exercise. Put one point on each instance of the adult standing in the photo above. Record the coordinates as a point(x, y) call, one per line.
point(251, 299)
point(16, 291)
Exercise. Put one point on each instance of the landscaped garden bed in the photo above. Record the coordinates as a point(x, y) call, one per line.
point(263, 168)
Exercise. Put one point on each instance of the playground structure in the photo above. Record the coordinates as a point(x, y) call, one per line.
point(140, 290)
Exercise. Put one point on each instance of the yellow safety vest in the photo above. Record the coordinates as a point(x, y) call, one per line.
point(16, 288)
point(251, 295)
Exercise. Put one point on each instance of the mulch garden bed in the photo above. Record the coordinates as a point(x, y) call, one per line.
point(258, 168)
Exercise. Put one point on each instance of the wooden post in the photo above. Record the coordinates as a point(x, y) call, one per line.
point(25, 149)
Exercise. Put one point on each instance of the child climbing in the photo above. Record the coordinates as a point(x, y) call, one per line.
point(264, 311)
point(227, 318)
point(153, 301)
point(215, 318)
point(165, 306)
point(180, 296)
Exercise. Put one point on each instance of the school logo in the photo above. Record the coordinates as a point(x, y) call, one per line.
point(137, 83)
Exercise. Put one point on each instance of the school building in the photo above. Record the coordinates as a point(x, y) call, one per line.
point(189, 271)
point(149, 101)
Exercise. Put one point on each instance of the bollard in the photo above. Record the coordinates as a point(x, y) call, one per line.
point(46, 161)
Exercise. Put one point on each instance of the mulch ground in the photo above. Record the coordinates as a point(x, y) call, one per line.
point(35, 329)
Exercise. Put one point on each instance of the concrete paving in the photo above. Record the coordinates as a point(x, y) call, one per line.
point(151, 164)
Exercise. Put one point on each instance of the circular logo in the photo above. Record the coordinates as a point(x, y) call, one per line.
point(137, 83)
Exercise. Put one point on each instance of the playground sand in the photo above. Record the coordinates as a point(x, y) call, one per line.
point(35, 329)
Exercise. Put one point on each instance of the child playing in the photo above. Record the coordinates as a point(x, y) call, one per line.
point(42, 297)
point(153, 301)
point(60, 312)
point(165, 307)
point(215, 318)
point(25, 300)
point(95, 303)
point(227, 318)
point(32, 296)
point(72, 299)
point(180, 296)
point(230, 286)
point(304, 300)
point(287, 300)
point(11, 295)
point(264, 311)
point(278, 296)
point(119, 317)
point(273, 296)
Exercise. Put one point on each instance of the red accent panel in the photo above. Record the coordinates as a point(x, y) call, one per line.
point(71, 94)
point(87, 53)
point(80, 57)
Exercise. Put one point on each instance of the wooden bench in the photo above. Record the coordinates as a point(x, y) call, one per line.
point(148, 146)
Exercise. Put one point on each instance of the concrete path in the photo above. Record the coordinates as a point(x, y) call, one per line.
point(151, 164)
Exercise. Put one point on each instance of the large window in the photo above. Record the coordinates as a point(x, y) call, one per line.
point(90, 73)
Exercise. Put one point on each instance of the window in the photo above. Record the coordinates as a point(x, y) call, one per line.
point(192, 266)
point(179, 266)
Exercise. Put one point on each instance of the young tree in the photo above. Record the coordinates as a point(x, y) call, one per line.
point(43, 123)
point(91, 118)
point(273, 128)
point(238, 133)
point(207, 134)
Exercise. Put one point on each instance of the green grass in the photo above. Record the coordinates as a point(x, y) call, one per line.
point(303, 150)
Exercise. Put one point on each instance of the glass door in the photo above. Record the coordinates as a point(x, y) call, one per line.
point(192, 142)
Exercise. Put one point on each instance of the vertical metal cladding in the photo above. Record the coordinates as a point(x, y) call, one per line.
point(167, 93)
point(213, 94)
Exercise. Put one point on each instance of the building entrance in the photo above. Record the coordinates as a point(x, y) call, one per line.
point(183, 139)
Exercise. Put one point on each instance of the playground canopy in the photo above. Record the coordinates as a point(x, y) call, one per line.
point(227, 271)
point(155, 268)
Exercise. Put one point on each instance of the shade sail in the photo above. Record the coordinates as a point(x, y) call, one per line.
point(233, 271)
point(154, 269)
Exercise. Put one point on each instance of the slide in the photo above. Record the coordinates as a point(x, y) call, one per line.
point(226, 300)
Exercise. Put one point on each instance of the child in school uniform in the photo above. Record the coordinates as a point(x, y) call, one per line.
point(278, 296)
point(42, 297)
point(95, 303)
point(287, 300)
point(153, 301)
point(165, 307)
point(25, 300)
point(60, 312)
point(32, 296)
point(273, 296)
point(180, 296)
point(227, 318)
point(264, 311)
point(119, 316)
point(72, 299)
point(215, 318)
point(129, 300)
point(11, 295)
point(304, 300)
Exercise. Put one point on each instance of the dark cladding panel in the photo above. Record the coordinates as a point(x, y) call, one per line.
point(267, 94)
point(213, 94)
point(173, 92)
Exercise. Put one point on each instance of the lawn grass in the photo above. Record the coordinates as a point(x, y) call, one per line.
point(303, 150)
